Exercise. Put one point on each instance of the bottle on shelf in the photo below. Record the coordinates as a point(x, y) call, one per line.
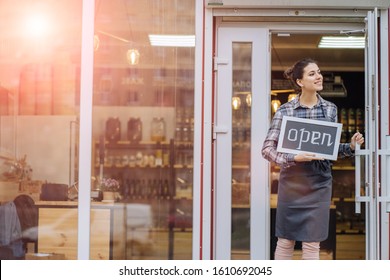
point(343, 119)
point(143, 189)
point(166, 190)
point(126, 189)
point(360, 120)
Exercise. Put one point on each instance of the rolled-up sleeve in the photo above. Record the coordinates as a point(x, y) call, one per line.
point(270, 144)
point(345, 150)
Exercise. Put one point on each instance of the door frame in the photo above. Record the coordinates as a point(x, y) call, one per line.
point(222, 145)
point(203, 224)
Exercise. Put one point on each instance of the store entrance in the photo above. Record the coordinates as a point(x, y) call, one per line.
point(344, 85)
point(249, 64)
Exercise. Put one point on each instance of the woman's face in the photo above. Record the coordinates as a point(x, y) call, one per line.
point(312, 78)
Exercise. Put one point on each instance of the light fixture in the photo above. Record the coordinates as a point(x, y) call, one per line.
point(248, 99)
point(172, 40)
point(291, 96)
point(132, 56)
point(236, 102)
point(96, 42)
point(342, 42)
point(275, 104)
point(37, 25)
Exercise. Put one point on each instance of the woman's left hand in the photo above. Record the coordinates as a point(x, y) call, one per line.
point(357, 138)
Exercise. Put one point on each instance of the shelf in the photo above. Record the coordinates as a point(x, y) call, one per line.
point(334, 167)
point(243, 166)
point(348, 168)
point(139, 145)
point(345, 199)
point(180, 166)
point(132, 167)
point(240, 206)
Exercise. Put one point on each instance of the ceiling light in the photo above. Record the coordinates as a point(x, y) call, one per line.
point(96, 42)
point(236, 102)
point(275, 104)
point(350, 42)
point(132, 56)
point(172, 40)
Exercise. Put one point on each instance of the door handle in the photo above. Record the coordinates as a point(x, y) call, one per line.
point(358, 198)
point(219, 130)
point(385, 198)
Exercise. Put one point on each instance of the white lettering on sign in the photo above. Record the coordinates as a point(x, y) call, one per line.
point(305, 136)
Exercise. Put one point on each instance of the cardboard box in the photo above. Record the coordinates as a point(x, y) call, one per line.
point(31, 186)
point(45, 256)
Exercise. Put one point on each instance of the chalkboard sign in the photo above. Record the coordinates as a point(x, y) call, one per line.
point(298, 135)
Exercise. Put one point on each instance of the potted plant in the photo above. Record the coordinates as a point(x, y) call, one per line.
point(109, 187)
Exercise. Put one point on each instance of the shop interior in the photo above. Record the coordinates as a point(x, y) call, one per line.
point(343, 71)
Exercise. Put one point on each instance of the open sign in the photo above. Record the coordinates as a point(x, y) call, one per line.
point(299, 135)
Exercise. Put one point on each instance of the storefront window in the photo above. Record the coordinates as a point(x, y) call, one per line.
point(143, 123)
point(39, 72)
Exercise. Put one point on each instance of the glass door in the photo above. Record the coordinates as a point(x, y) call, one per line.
point(241, 228)
point(367, 187)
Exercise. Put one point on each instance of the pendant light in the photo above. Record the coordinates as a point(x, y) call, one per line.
point(132, 56)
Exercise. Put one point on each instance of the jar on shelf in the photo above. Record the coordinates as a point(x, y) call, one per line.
point(158, 129)
point(113, 129)
point(134, 130)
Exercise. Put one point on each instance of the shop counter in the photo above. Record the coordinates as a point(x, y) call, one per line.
point(57, 229)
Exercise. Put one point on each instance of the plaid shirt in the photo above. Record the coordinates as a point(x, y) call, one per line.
point(295, 109)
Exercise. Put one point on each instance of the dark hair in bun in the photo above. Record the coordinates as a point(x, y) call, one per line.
point(295, 72)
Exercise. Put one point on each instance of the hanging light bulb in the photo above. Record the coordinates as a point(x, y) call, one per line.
point(291, 96)
point(249, 100)
point(96, 42)
point(275, 104)
point(132, 56)
point(236, 102)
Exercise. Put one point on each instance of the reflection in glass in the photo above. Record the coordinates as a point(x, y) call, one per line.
point(241, 124)
point(152, 99)
point(132, 56)
point(275, 104)
point(236, 103)
point(291, 96)
point(39, 113)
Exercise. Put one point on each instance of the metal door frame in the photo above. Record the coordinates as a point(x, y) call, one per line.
point(202, 239)
point(259, 196)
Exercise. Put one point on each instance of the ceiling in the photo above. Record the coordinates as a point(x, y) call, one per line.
point(288, 49)
point(122, 24)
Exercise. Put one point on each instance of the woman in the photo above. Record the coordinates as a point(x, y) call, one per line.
point(305, 183)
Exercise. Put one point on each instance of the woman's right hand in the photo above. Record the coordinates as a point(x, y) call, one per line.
point(306, 157)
